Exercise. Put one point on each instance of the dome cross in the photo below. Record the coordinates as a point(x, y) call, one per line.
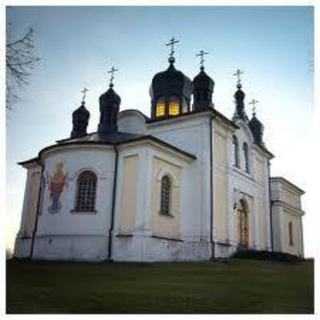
point(238, 74)
point(112, 72)
point(171, 43)
point(84, 94)
point(201, 54)
point(253, 102)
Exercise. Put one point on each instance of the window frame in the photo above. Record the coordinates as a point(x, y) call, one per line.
point(174, 102)
point(290, 230)
point(167, 103)
point(162, 102)
point(245, 148)
point(166, 200)
point(85, 208)
point(235, 144)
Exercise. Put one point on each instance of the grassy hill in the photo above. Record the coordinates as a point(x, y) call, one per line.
point(235, 286)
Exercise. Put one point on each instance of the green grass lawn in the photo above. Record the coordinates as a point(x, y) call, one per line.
point(236, 286)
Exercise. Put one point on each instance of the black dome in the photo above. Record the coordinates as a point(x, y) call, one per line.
point(239, 100)
point(81, 112)
point(170, 82)
point(203, 81)
point(80, 119)
point(110, 96)
point(203, 87)
point(256, 128)
point(239, 94)
point(109, 109)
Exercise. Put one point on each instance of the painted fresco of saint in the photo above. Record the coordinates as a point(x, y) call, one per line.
point(56, 184)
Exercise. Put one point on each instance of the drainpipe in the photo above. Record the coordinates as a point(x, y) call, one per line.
point(113, 201)
point(211, 189)
point(270, 206)
point(37, 211)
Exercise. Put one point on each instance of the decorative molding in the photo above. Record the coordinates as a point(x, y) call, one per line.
point(166, 238)
point(76, 212)
point(294, 211)
point(124, 235)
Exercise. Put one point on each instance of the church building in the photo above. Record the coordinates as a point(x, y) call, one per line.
point(186, 183)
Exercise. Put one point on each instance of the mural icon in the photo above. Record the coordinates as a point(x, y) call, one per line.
point(56, 184)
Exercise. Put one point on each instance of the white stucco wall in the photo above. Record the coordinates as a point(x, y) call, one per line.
point(191, 134)
point(68, 234)
point(221, 185)
point(253, 187)
point(155, 237)
point(286, 208)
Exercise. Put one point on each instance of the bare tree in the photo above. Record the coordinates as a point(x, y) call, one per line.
point(20, 61)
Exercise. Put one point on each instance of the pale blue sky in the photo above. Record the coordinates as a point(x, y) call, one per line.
point(77, 45)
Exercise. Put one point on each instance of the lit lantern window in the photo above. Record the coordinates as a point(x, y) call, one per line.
point(160, 109)
point(174, 108)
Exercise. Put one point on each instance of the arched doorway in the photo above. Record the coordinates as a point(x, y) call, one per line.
point(243, 224)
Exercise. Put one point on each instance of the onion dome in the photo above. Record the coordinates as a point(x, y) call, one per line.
point(239, 100)
point(203, 87)
point(256, 128)
point(80, 119)
point(109, 109)
point(170, 85)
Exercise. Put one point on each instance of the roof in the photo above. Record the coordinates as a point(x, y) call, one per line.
point(214, 112)
point(292, 185)
point(225, 119)
point(110, 138)
point(26, 162)
point(125, 111)
point(263, 148)
point(113, 139)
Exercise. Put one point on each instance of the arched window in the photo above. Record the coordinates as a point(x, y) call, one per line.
point(165, 195)
point(246, 156)
point(174, 106)
point(86, 192)
point(235, 151)
point(290, 234)
point(160, 108)
point(243, 221)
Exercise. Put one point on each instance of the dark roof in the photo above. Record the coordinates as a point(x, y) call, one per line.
point(22, 163)
point(116, 138)
point(110, 138)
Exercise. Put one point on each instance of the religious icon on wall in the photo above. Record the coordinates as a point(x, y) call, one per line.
point(56, 184)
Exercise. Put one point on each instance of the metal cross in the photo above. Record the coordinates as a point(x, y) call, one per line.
point(84, 93)
point(171, 43)
point(238, 73)
point(254, 102)
point(112, 71)
point(201, 54)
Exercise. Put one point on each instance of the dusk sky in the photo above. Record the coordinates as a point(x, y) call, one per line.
point(77, 45)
